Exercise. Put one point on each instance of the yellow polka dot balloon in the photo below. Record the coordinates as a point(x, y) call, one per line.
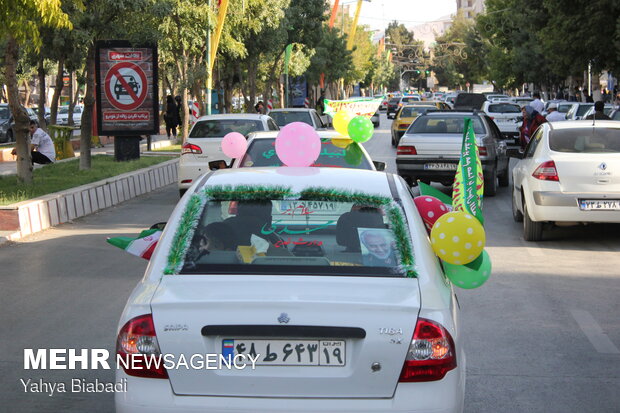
point(457, 238)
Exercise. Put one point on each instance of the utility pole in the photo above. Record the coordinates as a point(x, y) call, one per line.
point(209, 75)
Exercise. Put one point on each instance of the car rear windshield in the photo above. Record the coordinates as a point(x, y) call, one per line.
point(582, 140)
point(217, 128)
point(410, 99)
point(285, 117)
point(504, 108)
point(394, 101)
point(413, 111)
point(339, 153)
point(289, 237)
point(444, 124)
point(564, 108)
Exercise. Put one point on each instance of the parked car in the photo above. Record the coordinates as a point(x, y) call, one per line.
point(507, 117)
point(7, 123)
point(578, 110)
point(204, 142)
point(431, 148)
point(392, 107)
point(336, 151)
point(607, 109)
point(615, 114)
point(285, 116)
point(567, 175)
point(497, 98)
point(63, 115)
point(362, 334)
point(405, 116)
point(384, 102)
point(376, 119)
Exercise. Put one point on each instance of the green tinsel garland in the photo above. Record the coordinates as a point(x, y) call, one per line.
point(190, 217)
point(246, 192)
point(184, 234)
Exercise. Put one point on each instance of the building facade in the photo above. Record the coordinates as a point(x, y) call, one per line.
point(470, 8)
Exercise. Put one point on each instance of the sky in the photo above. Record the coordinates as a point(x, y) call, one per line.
point(379, 13)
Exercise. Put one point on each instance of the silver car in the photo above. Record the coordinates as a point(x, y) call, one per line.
point(430, 149)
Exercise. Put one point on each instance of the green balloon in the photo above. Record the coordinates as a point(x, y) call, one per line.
point(353, 154)
point(360, 129)
point(464, 277)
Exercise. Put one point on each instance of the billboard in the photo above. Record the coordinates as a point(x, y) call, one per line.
point(127, 95)
point(298, 91)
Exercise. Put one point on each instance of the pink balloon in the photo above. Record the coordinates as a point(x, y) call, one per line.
point(298, 144)
point(234, 145)
point(430, 209)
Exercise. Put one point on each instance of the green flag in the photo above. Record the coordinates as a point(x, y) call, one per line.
point(469, 180)
point(434, 192)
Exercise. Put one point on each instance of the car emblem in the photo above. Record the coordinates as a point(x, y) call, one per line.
point(603, 166)
point(283, 319)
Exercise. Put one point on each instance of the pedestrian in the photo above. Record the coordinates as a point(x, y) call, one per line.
point(531, 121)
point(171, 117)
point(177, 100)
point(41, 145)
point(259, 107)
point(320, 103)
point(537, 104)
point(599, 112)
point(553, 115)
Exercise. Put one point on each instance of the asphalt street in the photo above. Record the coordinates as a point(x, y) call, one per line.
point(543, 335)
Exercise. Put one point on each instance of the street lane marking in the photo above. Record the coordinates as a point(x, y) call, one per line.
point(594, 332)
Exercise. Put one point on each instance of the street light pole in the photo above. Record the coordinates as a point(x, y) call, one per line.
point(209, 78)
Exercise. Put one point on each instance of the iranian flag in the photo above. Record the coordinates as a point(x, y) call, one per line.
point(142, 246)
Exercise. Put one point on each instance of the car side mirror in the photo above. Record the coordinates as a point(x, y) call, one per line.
point(514, 153)
point(160, 226)
point(219, 164)
point(379, 166)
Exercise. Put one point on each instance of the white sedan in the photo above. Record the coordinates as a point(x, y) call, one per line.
point(308, 313)
point(568, 174)
point(506, 116)
point(204, 143)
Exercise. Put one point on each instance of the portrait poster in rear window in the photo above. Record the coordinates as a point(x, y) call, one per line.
point(127, 95)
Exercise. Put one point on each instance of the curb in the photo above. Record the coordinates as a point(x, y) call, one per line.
point(35, 215)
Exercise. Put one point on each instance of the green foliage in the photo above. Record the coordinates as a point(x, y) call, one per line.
point(331, 57)
point(21, 19)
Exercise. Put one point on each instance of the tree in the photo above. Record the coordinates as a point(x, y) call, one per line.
point(332, 58)
point(19, 26)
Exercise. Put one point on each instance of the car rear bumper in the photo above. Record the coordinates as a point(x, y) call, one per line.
point(415, 168)
point(156, 396)
point(561, 206)
point(190, 171)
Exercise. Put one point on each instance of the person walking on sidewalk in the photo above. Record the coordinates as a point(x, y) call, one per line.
point(171, 117)
point(41, 145)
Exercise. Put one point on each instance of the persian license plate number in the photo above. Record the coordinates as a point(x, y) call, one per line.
point(599, 205)
point(440, 166)
point(289, 352)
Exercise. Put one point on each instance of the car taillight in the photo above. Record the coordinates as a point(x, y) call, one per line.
point(137, 346)
point(190, 148)
point(406, 150)
point(546, 172)
point(403, 125)
point(400, 104)
point(431, 353)
point(482, 151)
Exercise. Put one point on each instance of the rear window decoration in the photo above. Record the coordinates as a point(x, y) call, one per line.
point(295, 243)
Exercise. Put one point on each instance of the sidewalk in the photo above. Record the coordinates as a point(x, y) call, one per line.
point(157, 141)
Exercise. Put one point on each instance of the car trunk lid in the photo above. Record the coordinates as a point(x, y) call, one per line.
point(218, 313)
point(587, 172)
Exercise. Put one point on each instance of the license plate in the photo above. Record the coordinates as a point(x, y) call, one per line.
point(299, 207)
point(289, 352)
point(440, 166)
point(599, 205)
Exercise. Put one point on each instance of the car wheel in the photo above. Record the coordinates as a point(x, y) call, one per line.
point(182, 192)
point(490, 183)
point(516, 214)
point(532, 230)
point(394, 143)
point(504, 179)
point(9, 136)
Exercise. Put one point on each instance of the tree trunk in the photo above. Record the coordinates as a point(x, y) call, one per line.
point(71, 103)
point(57, 91)
point(87, 112)
point(252, 85)
point(27, 94)
point(20, 130)
point(596, 86)
point(42, 95)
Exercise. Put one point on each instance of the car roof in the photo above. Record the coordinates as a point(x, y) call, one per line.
point(578, 124)
point(298, 179)
point(291, 110)
point(247, 116)
point(274, 133)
